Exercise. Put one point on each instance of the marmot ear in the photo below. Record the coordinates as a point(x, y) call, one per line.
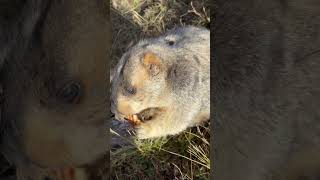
point(152, 63)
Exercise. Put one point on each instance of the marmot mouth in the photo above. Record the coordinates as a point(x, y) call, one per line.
point(144, 115)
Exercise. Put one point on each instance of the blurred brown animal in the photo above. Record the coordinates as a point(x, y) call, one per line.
point(54, 84)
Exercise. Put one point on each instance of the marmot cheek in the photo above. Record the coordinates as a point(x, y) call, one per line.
point(124, 107)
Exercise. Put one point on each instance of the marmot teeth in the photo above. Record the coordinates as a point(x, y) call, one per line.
point(133, 119)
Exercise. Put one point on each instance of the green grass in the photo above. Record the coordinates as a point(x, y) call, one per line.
point(185, 156)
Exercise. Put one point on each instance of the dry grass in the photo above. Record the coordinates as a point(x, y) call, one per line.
point(136, 19)
point(185, 156)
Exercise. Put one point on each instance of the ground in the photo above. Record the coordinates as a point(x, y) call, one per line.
point(185, 156)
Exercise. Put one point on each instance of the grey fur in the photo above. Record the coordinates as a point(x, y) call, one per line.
point(183, 80)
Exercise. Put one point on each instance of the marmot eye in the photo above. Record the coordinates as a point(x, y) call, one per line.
point(171, 43)
point(131, 90)
point(70, 93)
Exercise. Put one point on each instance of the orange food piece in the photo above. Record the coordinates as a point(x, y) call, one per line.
point(133, 119)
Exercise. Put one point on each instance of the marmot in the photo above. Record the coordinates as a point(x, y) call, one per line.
point(164, 82)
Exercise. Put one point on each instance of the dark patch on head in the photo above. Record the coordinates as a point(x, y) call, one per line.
point(179, 76)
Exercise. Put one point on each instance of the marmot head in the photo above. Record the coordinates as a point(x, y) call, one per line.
point(153, 72)
point(139, 83)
